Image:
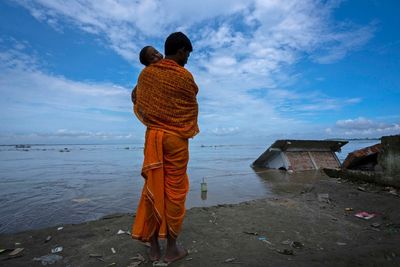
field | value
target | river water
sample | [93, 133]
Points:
[48, 185]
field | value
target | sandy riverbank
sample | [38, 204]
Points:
[254, 233]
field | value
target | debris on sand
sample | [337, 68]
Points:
[48, 259]
[365, 215]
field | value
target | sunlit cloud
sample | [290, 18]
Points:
[244, 60]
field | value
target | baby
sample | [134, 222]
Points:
[148, 55]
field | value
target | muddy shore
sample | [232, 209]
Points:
[313, 224]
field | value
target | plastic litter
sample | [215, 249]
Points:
[285, 251]
[95, 256]
[57, 249]
[250, 233]
[47, 239]
[48, 259]
[203, 186]
[121, 232]
[264, 239]
[60, 228]
[138, 257]
[113, 250]
[160, 264]
[348, 209]
[232, 260]
[365, 215]
[297, 244]
[360, 188]
[324, 198]
[15, 252]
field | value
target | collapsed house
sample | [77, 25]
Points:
[379, 163]
[365, 159]
[300, 155]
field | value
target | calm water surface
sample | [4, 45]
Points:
[43, 186]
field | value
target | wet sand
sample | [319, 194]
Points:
[254, 233]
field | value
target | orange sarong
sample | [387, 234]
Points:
[162, 204]
[166, 103]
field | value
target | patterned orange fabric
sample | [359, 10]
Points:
[162, 204]
[166, 99]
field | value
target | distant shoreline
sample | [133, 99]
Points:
[203, 145]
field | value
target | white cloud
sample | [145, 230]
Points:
[36, 101]
[238, 46]
[364, 127]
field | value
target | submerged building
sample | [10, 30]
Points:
[300, 155]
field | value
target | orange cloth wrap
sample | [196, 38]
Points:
[166, 98]
[162, 204]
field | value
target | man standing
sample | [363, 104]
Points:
[166, 104]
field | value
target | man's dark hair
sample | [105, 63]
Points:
[176, 41]
[142, 56]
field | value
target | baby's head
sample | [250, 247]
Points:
[149, 55]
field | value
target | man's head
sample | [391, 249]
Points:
[178, 47]
[149, 55]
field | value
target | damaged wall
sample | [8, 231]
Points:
[389, 159]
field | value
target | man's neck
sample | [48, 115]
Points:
[173, 58]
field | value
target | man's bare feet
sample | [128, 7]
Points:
[175, 253]
[155, 250]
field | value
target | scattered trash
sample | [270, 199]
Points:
[47, 239]
[48, 259]
[287, 242]
[2, 250]
[285, 251]
[57, 249]
[15, 252]
[297, 244]
[134, 264]
[341, 243]
[232, 261]
[264, 239]
[360, 188]
[121, 232]
[365, 215]
[203, 186]
[17, 244]
[95, 256]
[324, 198]
[138, 257]
[348, 209]
[250, 233]
[60, 228]
[214, 218]
[376, 225]
[160, 264]
[392, 191]
[113, 250]
[189, 259]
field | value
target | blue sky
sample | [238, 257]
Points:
[266, 69]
